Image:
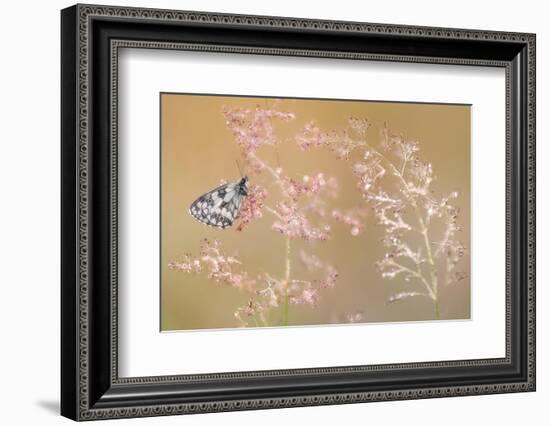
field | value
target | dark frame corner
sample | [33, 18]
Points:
[90, 37]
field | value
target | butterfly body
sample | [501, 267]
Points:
[220, 207]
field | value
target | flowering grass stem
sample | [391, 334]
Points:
[287, 280]
[423, 229]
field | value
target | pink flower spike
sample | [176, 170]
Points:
[251, 208]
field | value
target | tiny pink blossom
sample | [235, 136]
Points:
[353, 217]
[308, 296]
[252, 129]
[313, 263]
[220, 267]
[293, 223]
[329, 280]
[251, 208]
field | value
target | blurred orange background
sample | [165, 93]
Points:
[197, 151]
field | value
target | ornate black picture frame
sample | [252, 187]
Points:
[90, 38]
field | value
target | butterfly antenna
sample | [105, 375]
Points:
[239, 168]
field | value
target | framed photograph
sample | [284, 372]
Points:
[263, 212]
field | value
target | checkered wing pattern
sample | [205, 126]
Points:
[220, 207]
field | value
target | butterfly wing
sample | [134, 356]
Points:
[219, 207]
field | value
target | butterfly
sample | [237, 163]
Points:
[220, 207]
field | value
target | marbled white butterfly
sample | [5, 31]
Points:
[220, 207]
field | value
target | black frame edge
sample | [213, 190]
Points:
[69, 319]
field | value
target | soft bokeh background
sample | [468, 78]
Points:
[197, 151]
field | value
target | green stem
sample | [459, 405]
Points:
[433, 274]
[418, 275]
[286, 281]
